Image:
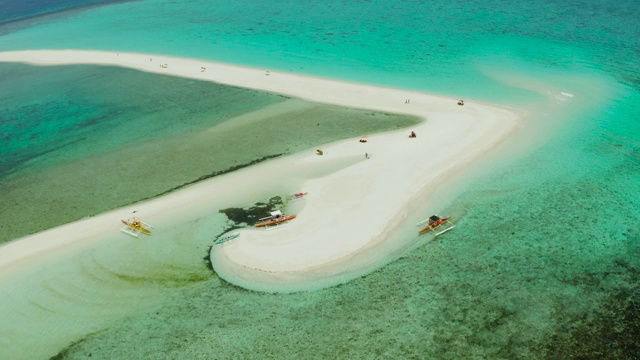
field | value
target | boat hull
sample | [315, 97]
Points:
[297, 196]
[275, 222]
[137, 227]
[435, 225]
[225, 239]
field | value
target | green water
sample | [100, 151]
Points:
[526, 279]
[55, 114]
[108, 137]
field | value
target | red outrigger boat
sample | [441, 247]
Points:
[277, 218]
[297, 196]
[437, 224]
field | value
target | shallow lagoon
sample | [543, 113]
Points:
[108, 137]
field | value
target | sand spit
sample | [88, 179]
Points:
[344, 224]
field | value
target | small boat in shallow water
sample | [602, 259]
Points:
[277, 218]
[437, 224]
[135, 227]
[297, 196]
[226, 238]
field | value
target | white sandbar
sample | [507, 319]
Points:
[342, 226]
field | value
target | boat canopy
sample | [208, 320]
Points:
[276, 213]
[434, 218]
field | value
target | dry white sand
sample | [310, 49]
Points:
[354, 204]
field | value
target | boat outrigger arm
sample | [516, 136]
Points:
[437, 224]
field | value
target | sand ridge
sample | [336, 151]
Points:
[349, 212]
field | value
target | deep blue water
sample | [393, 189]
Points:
[13, 10]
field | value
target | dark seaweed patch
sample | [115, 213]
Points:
[252, 214]
[613, 332]
[64, 353]
[242, 217]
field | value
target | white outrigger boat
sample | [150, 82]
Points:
[277, 219]
[134, 227]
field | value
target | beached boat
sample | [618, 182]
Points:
[226, 238]
[134, 227]
[277, 218]
[297, 196]
[437, 224]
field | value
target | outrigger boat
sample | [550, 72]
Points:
[135, 227]
[437, 224]
[297, 196]
[226, 238]
[277, 218]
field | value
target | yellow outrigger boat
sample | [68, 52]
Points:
[135, 227]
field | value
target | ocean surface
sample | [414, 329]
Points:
[545, 257]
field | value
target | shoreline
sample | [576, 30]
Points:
[307, 255]
[319, 247]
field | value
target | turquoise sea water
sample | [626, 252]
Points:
[545, 258]
[36, 120]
